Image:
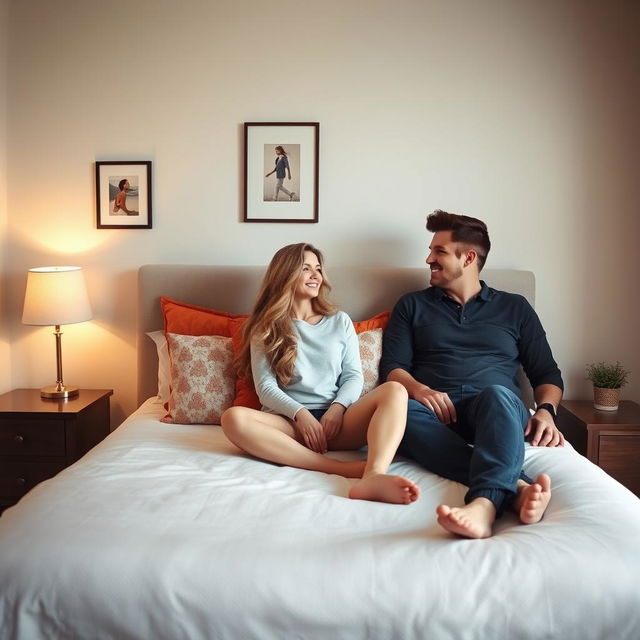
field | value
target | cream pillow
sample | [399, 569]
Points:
[370, 354]
[202, 378]
[163, 364]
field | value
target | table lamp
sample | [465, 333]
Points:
[55, 296]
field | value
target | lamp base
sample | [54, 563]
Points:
[57, 392]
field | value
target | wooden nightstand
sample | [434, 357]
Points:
[611, 439]
[39, 436]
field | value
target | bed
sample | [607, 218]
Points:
[167, 531]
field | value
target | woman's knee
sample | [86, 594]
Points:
[393, 391]
[233, 419]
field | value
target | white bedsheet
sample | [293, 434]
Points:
[166, 531]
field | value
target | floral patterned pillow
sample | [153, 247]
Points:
[370, 354]
[202, 378]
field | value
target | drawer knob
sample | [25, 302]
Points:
[18, 439]
[21, 481]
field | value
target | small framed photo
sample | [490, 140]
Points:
[281, 171]
[123, 194]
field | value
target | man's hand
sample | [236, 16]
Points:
[311, 431]
[438, 402]
[331, 421]
[545, 433]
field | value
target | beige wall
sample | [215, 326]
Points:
[5, 342]
[521, 113]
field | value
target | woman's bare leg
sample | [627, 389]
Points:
[378, 419]
[273, 438]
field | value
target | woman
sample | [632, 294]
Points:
[120, 202]
[282, 166]
[305, 361]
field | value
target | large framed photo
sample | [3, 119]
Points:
[123, 194]
[281, 171]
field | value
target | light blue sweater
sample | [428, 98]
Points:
[327, 369]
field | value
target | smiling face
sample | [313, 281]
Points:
[310, 279]
[446, 260]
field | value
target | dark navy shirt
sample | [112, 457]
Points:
[282, 164]
[460, 350]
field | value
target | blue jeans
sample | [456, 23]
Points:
[493, 421]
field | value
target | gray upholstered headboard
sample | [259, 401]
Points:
[360, 291]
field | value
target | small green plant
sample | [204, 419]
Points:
[607, 376]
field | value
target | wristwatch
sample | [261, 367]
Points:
[550, 408]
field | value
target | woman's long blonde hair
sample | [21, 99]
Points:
[271, 322]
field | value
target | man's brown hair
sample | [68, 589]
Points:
[464, 229]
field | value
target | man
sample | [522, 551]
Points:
[457, 347]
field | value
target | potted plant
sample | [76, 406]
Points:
[607, 381]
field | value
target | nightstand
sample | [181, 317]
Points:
[39, 437]
[610, 439]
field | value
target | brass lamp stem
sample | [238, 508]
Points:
[60, 390]
[58, 334]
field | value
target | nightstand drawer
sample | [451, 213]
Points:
[619, 456]
[16, 478]
[32, 437]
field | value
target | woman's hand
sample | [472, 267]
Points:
[331, 421]
[311, 431]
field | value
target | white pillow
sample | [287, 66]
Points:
[163, 364]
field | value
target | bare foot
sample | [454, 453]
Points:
[474, 520]
[382, 487]
[532, 499]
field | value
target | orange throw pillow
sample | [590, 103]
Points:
[379, 321]
[246, 395]
[191, 320]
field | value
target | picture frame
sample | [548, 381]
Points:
[123, 194]
[281, 169]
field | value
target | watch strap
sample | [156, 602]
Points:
[549, 407]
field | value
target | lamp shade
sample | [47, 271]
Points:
[56, 295]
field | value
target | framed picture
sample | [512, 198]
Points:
[281, 171]
[123, 194]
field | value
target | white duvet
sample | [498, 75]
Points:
[168, 532]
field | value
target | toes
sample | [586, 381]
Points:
[544, 481]
[443, 510]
